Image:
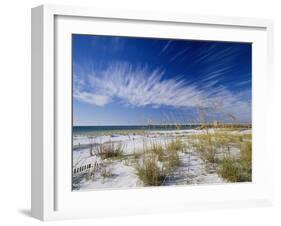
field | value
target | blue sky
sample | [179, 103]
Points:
[136, 81]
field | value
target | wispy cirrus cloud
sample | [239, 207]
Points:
[180, 53]
[91, 98]
[165, 47]
[243, 82]
[142, 87]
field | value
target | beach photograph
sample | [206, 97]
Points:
[150, 112]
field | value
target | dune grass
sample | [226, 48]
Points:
[208, 144]
[172, 154]
[149, 171]
[230, 167]
[157, 149]
[156, 160]
[175, 145]
[204, 145]
[159, 160]
[110, 150]
[237, 170]
[106, 172]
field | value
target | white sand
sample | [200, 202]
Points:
[192, 170]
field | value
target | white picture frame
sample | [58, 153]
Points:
[51, 192]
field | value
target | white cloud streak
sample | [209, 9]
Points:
[179, 54]
[168, 44]
[141, 87]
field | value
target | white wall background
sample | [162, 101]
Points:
[15, 111]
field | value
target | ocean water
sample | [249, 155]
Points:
[112, 129]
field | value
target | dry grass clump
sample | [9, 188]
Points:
[158, 162]
[226, 139]
[90, 174]
[208, 144]
[246, 160]
[149, 171]
[106, 172]
[205, 146]
[157, 149]
[172, 159]
[231, 168]
[171, 162]
[247, 136]
[175, 145]
[110, 150]
[237, 170]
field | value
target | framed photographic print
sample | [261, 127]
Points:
[141, 113]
